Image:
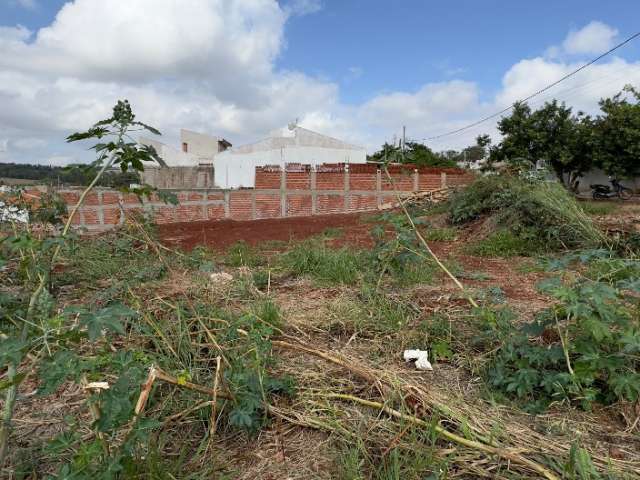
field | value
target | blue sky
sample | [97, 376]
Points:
[401, 45]
[355, 69]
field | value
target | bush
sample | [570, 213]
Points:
[538, 212]
[583, 349]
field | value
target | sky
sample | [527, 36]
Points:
[355, 69]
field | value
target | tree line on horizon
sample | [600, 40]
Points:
[68, 175]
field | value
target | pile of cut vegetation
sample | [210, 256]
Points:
[524, 216]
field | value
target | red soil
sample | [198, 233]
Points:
[220, 234]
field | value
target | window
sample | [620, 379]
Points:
[185, 147]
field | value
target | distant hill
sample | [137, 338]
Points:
[70, 175]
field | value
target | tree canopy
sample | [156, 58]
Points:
[421, 155]
[571, 144]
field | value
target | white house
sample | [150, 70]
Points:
[196, 149]
[236, 167]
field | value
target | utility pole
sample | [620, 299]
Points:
[404, 138]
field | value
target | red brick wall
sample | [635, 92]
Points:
[330, 180]
[298, 180]
[330, 204]
[429, 181]
[362, 202]
[363, 181]
[267, 178]
[267, 205]
[299, 205]
[106, 208]
[240, 205]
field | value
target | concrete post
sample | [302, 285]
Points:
[379, 187]
[253, 205]
[443, 179]
[346, 188]
[416, 180]
[283, 191]
[227, 207]
[314, 199]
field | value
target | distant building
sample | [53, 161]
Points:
[235, 168]
[190, 166]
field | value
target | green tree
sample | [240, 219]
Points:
[417, 154]
[615, 134]
[551, 134]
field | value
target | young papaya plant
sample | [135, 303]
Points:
[28, 322]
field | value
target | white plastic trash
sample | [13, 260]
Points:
[421, 357]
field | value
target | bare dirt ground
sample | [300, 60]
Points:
[316, 315]
[223, 233]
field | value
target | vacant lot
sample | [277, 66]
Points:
[280, 346]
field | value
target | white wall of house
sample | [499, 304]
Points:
[235, 168]
[201, 149]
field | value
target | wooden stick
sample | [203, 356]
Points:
[424, 242]
[216, 383]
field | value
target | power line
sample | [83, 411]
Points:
[542, 90]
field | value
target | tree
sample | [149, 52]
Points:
[23, 335]
[615, 135]
[550, 134]
[416, 154]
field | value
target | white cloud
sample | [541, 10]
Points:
[593, 39]
[209, 65]
[303, 7]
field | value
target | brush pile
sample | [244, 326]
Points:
[542, 213]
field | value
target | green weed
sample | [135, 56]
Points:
[325, 265]
[505, 243]
[440, 234]
[598, 208]
[241, 254]
[586, 347]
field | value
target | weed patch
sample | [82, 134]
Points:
[325, 265]
[585, 346]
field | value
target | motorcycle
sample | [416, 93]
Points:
[601, 192]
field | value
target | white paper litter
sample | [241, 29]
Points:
[421, 357]
[9, 213]
[222, 277]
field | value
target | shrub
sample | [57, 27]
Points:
[582, 349]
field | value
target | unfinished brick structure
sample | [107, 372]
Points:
[299, 190]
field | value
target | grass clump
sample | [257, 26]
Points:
[241, 254]
[440, 234]
[598, 208]
[543, 215]
[324, 264]
[505, 243]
